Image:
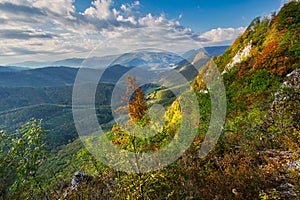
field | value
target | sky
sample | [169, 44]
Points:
[44, 30]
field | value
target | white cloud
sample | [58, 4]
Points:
[123, 7]
[44, 30]
[132, 20]
[60, 7]
[128, 8]
[100, 9]
[221, 35]
[64, 8]
[136, 3]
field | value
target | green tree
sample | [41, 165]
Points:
[21, 156]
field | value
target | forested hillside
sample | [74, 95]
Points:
[257, 155]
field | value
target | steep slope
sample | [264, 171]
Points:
[257, 155]
[261, 75]
[271, 43]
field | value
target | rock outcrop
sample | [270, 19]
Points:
[239, 57]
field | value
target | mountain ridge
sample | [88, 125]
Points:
[256, 156]
[105, 61]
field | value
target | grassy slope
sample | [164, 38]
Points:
[238, 167]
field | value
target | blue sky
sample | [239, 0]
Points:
[43, 30]
[203, 15]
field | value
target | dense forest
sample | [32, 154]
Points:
[256, 157]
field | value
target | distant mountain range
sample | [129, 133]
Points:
[70, 62]
[155, 60]
[42, 77]
[11, 69]
[63, 72]
[158, 61]
[210, 51]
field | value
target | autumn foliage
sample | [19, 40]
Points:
[136, 106]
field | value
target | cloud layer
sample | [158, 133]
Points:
[43, 30]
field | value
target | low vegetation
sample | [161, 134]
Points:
[256, 157]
